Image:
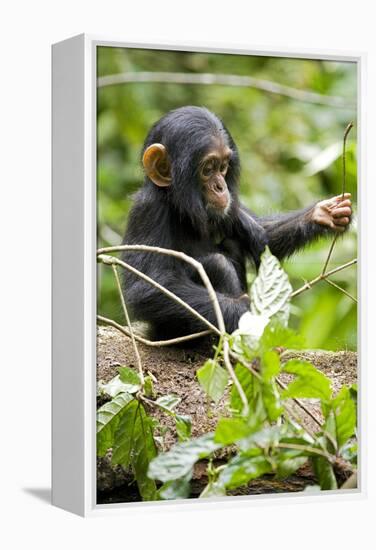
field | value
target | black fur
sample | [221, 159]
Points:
[177, 217]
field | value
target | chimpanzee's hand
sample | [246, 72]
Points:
[335, 213]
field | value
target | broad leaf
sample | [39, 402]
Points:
[125, 435]
[134, 446]
[168, 402]
[180, 459]
[213, 379]
[309, 382]
[271, 290]
[345, 416]
[230, 430]
[246, 380]
[246, 338]
[178, 488]
[242, 468]
[115, 386]
[183, 426]
[108, 417]
[213, 489]
[130, 378]
[143, 452]
[270, 365]
[287, 465]
[276, 335]
[324, 473]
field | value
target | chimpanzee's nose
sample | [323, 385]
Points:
[219, 186]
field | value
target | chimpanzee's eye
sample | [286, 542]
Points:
[224, 167]
[208, 168]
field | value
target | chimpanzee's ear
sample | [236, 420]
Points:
[157, 165]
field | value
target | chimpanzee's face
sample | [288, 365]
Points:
[212, 173]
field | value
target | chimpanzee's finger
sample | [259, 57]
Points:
[341, 221]
[341, 212]
[341, 197]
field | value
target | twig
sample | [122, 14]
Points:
[181, 256]
[152, 343]
[341, 289]
[225, 80]
[306, 448]
[297, 419]
[300, 404]
[329, 254]
[110, 260]
[321, 277]
[347, 131]
[137, 354]
[246, 365]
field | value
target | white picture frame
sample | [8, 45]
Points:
[74, 273]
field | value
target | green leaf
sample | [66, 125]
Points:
[329, 431]
[241, 469]
[168, 402]
[271, 289]
[309, 382]
[230, 430]
[125, 435]
[349, 452]
[108, 417]
[246, 380]
[130, 378]
[213, 489]
[178, 488]
[324, 473]
[276, 335]
[183, 426]
[149, 387]
[144, 450]
[263, 438]
[245, 340]
[179, 460]
[115, 386]
[271, 400]
[134, 446]
[288, 465]
[213, 379]
[345, 416]
[270, 365]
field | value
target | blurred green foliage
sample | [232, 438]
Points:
[290, 151]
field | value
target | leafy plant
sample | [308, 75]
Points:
[266, 439]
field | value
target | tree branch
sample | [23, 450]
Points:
[226, 80]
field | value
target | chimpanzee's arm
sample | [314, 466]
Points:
[286, 233]
[170, 319]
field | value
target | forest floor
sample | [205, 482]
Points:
[174, 370]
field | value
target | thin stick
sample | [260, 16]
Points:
[347, 131]
[301, 405]
[321, 277]
[181, 256]
[329, 254]
[297, 419]
[152, 343]
[226, 80]
[110, 260]
[306, 448]
[211, 292]
[137, 354]
[342, 290]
